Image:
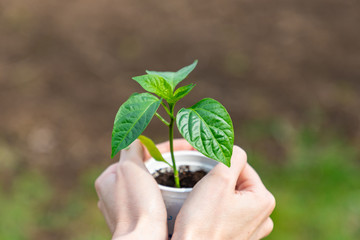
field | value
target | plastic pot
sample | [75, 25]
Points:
[175, 197]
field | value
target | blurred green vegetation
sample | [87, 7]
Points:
[316, 185]
[317, 189]
[30, 209]
[66, 67]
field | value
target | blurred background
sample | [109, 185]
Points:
[287, 71]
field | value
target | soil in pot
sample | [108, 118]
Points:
[188, 178]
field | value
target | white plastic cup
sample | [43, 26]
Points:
[173, 197]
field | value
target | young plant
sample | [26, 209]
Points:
[206, 125]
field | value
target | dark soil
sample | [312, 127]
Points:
[188, 179]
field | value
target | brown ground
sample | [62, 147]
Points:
[66, 66]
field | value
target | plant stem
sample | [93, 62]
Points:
[162, 119]
[171, 140]
[171, 114]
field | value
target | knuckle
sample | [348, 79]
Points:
[271, 201]
[226, 179]
[266, 201]
[221, 179]
[97, 185]
[124, 165]
[269, 227]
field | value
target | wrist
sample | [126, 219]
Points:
[141, 231]
[189, 233]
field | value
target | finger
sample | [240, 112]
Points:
[179, 145]
[238, 162]
[109, 169]
[265, 228]
[105, 185]
[98, 182]
[132, 157]
[249, 180]
[103, 211]
[134, 153]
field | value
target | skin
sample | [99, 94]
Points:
[234, 202]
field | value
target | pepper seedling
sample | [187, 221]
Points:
[206, 125]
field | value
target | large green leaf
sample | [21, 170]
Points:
[155, 84]
[131, 120]
[174, 78]
[207, 126]
[153, 150]
[181, 92]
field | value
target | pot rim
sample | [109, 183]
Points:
[179, 153]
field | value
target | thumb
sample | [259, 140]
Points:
[238, 163]
[135, 153]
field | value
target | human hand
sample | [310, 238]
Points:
[228, 203]
[129, 197]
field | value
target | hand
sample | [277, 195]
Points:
[129, 197]
[228, 203]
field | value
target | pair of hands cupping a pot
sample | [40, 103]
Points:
[228, 203]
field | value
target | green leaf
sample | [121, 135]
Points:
[153, 150]
[181, 92]
[155, 84]
[174, 78]
[207, 126]
[132, 119]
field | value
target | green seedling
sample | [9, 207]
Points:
[206, 125]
